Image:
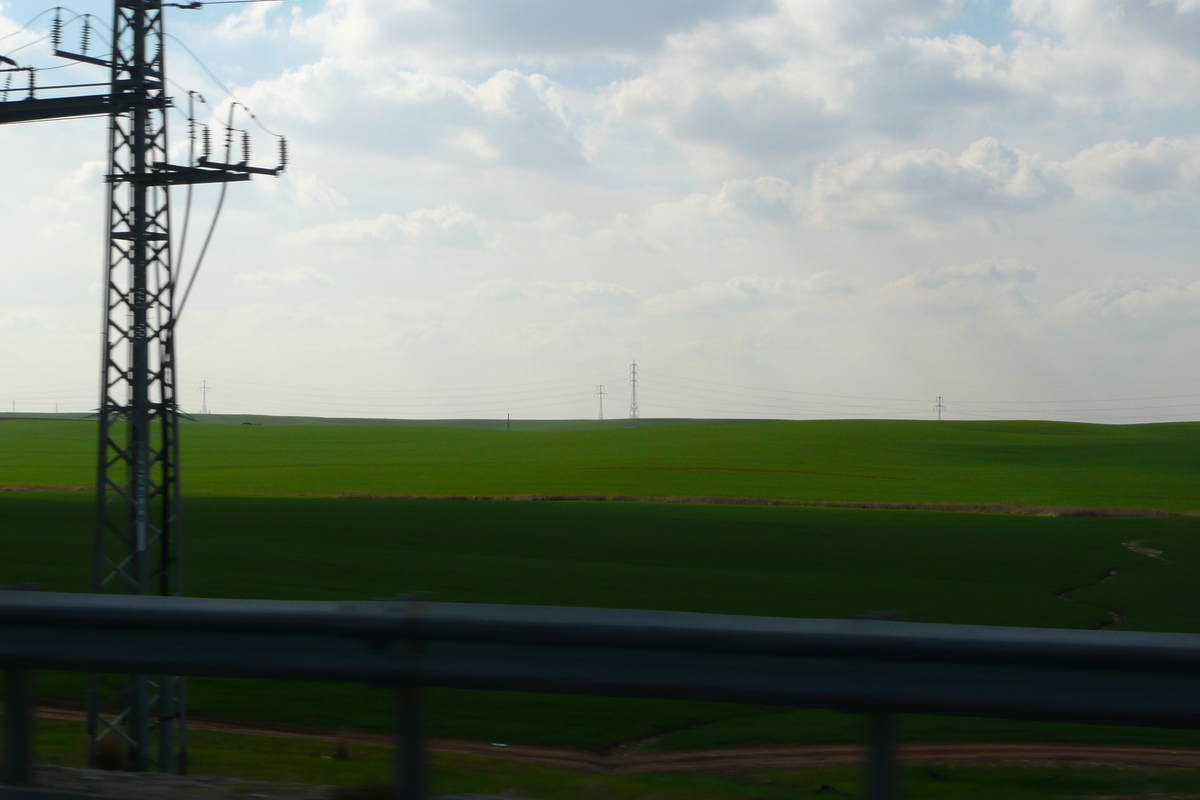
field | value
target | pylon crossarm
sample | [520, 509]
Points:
[34, 110]
[100, 62]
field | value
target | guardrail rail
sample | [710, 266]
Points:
[874, 667]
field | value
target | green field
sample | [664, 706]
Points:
[815, 562]
[264, 519]
[1017, 463]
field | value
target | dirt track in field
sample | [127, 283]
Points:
[741, 758]
[967, 508]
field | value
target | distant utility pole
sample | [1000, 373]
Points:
[508, 422]
[940, 406]
[633, 404]
[204, 390]
[601, 394]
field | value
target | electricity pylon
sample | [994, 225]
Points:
[600, 393]
[634, 413]
[137, 489]
[939, 407]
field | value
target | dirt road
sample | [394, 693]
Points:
[744, 758]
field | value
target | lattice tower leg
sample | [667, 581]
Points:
[137, 498]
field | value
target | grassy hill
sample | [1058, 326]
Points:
[888, 461]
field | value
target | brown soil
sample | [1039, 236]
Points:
[1136, 547]
[13, 487]
[978, 508]
[743, 758]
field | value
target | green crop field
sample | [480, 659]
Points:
[1016, 463]
[775, 560]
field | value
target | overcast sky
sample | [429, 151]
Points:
[798, 208]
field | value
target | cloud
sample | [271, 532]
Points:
[287, 277]
[509, 118]
[987, 176]
[766, 197]
[978, 272]
[583, 294]
[1149, 306]
[310, 191]
[752, 291]
[245, 23]
[461, 30]
[445, 226]
[1163, 171]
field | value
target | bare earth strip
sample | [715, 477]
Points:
[975, 508]
[745, 758]
[20, 487]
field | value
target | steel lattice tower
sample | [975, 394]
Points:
[137, 534]
[137, 486]
[634, 413]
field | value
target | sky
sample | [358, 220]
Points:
[788, 208]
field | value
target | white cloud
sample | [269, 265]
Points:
[588, 294]
[752, 291]
[986, 176]
[509, 118]
[1161, 172]
[1152, 307]
[471, 32]
[979, 272]
[445, 226]
[286, 277]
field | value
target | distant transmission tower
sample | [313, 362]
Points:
[204, 390]
[600, 393]
[137, 493]
[940, 406]
[633, 404]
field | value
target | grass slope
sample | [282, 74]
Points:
[976, 568]
[1023, 463]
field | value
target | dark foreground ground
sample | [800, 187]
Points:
[1080, 572]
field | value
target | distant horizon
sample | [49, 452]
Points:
[493, 422]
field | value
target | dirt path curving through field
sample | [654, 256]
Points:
[739, 759]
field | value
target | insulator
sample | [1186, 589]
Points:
[32, 82]
[7, 84]
[245, 147]
[283, 154]
[228, 141]
[56, 29]
[207, 143]
[87, 34]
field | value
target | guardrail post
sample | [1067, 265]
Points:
[881, 757]
[18, 727]
[411, 759]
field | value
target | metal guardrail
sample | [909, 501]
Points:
[878, 668]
